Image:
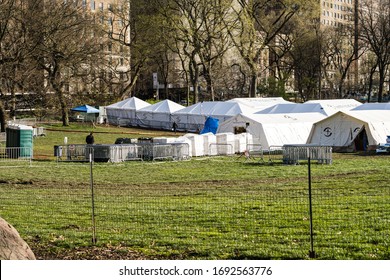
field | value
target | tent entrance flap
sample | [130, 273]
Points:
[361, 140]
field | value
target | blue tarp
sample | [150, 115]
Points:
[211, 125]
[85, 109]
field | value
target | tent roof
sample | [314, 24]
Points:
[260, 102]
[216, 108]
[336, 104]
[373, 106]
[163, 106]
[372, 117]
[200, 108]
[230, 108]
[327, 107]
[294, 109]
[85, 109]
[311, 117]
[129, 103]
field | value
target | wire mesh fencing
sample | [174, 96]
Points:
[206, 221]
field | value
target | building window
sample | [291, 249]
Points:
[93, 5]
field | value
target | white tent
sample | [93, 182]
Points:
[332, 106]
[273, 129]
[327, 107]
[159, 115]
[260, 103]
[192, 118]
[295, 109]
[373, 106]
[125, 112]
[354, 129]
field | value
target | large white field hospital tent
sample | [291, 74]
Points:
[192, 118]
[273, 129]
[124, 113]
[352, 130]
[159, 115]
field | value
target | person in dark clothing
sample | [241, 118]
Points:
[90, 139]
[174, 126]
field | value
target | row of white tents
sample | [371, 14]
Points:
[341, 123]
[162, 115]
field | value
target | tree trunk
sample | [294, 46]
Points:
[64, 109]
[2, 117]
[381, 83]
[253, 86]
[210, 88]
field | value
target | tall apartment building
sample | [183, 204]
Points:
[346, 12]
[118, 55]
[335, 12]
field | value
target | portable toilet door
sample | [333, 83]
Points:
[20, 141]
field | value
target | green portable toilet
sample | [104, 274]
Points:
[19, 136]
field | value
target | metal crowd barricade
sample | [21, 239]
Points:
[11, 155]
[3, 137]
[216, 149]
[254, 150]
[123, 152]
[161, 152]
[293, 154]
[39, 131]
[181, 151]
[275, 154]
[172, 151]
[73, 152]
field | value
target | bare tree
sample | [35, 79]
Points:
[198, 36]
[340, 53]
[69, 47]
[15, 49]
[375, 31]
[255, 25]
[5, 22]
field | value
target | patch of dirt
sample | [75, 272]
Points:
[50, 252]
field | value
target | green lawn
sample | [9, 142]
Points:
[205, 208]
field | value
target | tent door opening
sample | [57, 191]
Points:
[360, 141]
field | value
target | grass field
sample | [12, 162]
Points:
[205, 208]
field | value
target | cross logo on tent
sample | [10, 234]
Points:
[328, 132]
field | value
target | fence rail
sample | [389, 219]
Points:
[123, 152]
[15, 155]
[293, 154]
[216, 149]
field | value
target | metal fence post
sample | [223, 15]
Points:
[312, 253]
[93, 201]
